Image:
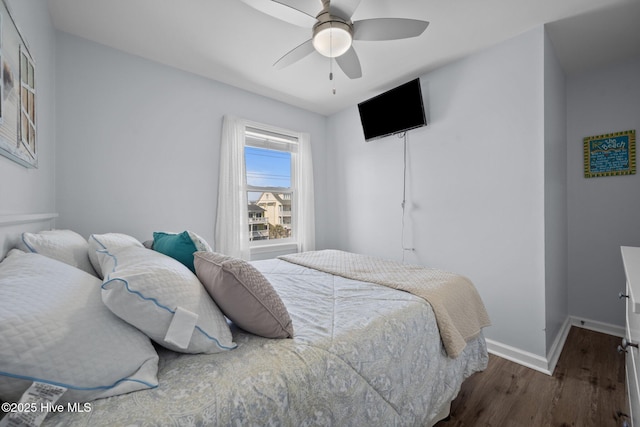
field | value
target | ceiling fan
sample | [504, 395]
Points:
[333, 31]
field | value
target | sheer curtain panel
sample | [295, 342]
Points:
[305, 207]
[232, 222]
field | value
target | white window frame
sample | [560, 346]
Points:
[272, 138]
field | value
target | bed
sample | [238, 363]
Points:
[361, 354]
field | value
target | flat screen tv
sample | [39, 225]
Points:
[395, 111]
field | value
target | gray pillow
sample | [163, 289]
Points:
[244, 295]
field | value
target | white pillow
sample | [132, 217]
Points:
[108, 241]
[55, 329]
[64, 245]
[164, 299]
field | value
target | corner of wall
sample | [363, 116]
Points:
[546, 365]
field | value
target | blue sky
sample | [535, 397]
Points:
[268, 168]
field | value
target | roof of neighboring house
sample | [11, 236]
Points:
[254, 208]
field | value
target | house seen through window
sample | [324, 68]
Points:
[269, 163]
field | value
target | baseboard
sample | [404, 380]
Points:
[518, 356]
[593, 325]
[547, 364]
[558, 344]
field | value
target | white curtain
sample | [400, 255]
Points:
[232, 220]
[303, 197]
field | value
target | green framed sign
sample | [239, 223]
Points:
[610, 154]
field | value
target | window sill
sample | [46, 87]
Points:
[272, 251]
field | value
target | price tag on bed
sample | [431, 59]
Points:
[33, 407]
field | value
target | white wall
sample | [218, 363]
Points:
[555, 195]
[476, 201]
[25, 190]
[603, 212]
[138, 142]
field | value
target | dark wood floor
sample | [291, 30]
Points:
[586, 389]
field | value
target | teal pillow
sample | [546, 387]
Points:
[177, 246]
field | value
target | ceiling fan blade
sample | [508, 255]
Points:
[309, 7]
[343, 8]
[388, 28]
[350, 64]
[295, 55]
[283, 12]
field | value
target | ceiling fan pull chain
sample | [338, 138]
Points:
[331, 75]
[331, 59]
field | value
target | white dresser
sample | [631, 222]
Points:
[631, 260]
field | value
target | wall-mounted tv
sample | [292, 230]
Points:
[397, 110]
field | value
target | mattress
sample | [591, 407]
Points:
[362, 354]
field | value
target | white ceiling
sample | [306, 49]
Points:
[228, 41]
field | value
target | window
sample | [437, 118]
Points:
[274, 207]
[268, 160]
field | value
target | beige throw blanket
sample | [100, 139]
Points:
[459, 311]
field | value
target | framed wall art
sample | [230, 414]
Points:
[18, 139]
[610, 154]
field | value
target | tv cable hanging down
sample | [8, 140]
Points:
[403, 135]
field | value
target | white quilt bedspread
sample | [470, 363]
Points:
[362, 355]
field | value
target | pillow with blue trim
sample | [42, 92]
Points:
[108, 241]
[180, 246]
[55, 329]
[161, 297]
[64, 245]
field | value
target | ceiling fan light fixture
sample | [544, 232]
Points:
[332, 38]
